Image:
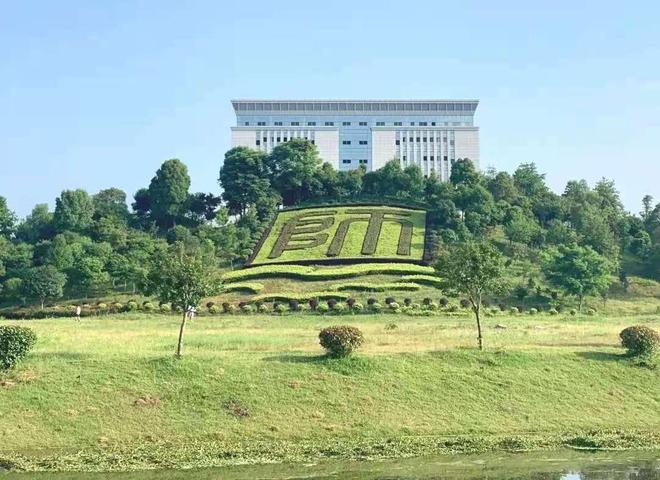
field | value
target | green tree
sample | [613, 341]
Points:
[293, 169]
[529, 181]
[473, 269]
[111, 204]
[38, 225]
[520, 227]
[43, 283]
[168, 193]
[74, 210]
[7, 219]
[244, 179]
[182, 276]
[464, 173]
[576, 270]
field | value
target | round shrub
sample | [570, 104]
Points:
[209, 305]
[242, 304]
[393, 306]
[313, 303]
[340, 341]
[231, 309]
[427, 301]
[415, 306]
[214, 309]
[331, 303]
[591, 311]
[443, 302]
[573, 312]
[322, 308]
[165, 308]
[102, 306]
[358, 307]
[294, 306]
[502, 306]
[553, 311]
[148, 306]
[247, 308]
[533, 311]
[640, 340]
[432, 306]
[350, 302]
[262, 308]
[225, 307]
[339, 307]
[15, 344]
[376, 307]
[514, 311]
[132, 305]
[465, 303]
[371, 301]
[389, 300]
[279, 308]
[119, 307]
[452, 308]
[407, 301]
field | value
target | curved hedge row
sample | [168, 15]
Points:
[382, 287]
[429, 280]
[298, 296]
[305, 272]
[248, 287]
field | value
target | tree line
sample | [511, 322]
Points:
[92, 244]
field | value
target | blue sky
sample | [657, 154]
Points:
[99, 94]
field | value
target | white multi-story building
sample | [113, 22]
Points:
[348, 133]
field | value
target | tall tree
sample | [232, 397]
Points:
[43, 283]
[38, 225]
[111, 204]
[578, 271]
[244, 179]
[168, 193]
[74, 210]
[464, 173]
[293, 168]
[473, 269]
[7, 219]
[184, 275]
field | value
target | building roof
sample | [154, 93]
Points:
[408, 107]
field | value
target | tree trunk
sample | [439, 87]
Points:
[580, 298]
[42, 303]
[179, 346]
[480, 338]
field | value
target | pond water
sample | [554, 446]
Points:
[565, 465]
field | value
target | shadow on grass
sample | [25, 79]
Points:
[292, 358]
[69, 356]
[603, 356]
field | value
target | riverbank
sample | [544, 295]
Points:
[107, 394]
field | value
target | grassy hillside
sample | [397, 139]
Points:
[107, 393]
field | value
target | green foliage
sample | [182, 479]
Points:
[292, 168]
[429, 280]
[383, 287]
[341, 341]
[168, 193]
[214, 309]
[43, 283]
[299, 296]
[15, 344]
[7, 219]
[165, 307]
[640, 340]
[249, 287]
[74, 211]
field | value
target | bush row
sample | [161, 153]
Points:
[382, 287]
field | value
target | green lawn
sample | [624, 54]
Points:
[302, 246]
[107, 393]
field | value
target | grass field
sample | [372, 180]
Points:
[386, 240]
[107, 394]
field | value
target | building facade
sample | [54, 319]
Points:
[432, 134]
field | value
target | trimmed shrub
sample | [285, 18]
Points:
[357, 307]
[452, 308]
[294, 306]
[102, 306]
[573, 312]
[443, 302]
[553, 311]
[117, 306]
[247, 308]
[209, 304]
[407, 301]
[340, 341]
[502, 307]
[242, 304]
[279, 308]
[426, 301]
[393, 306]
[465, 303]
[415, 306]
[389, 300]
[591, 311]
[640, 340]
[514, 311]
[331, 303]
[165, 308]
[322, 308]
[232, 309]
[376, 307]
[533, 311]
[371, 301]
[225, 307]
[432, 306]
[313, 303]
[132, 305]
[214, 309]
[15, 344]
[350, 302]
[263, 308]
[338, 308]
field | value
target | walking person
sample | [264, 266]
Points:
[78, 312]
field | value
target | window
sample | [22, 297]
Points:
[363, 124]
[431, 139]
[444, 139]
[329, 124]
[272, 139]
[346, 142]
[345, 161]
[285, 139]
[451, 142]
[346, 124]
[313, 142]
[363, 142]
[424, 139]
[433, 124]
[265, 139]
[422, 124]
[426, 159]
[279, 139]
[417, 139]
[363, 161]
[398, 142]
[278, 124]
[295, 124]
[261, 124]
[432, 158]
[445, 158]
[258, 142]
[404, 158]
[247, 124]
[412, 124]
[398, 124]
[311, 124]
[380, 124]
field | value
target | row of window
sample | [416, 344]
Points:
[362, 124]
[279, 139]
[432, 158]
[348, 161]
[361, 142]
[422, 139]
